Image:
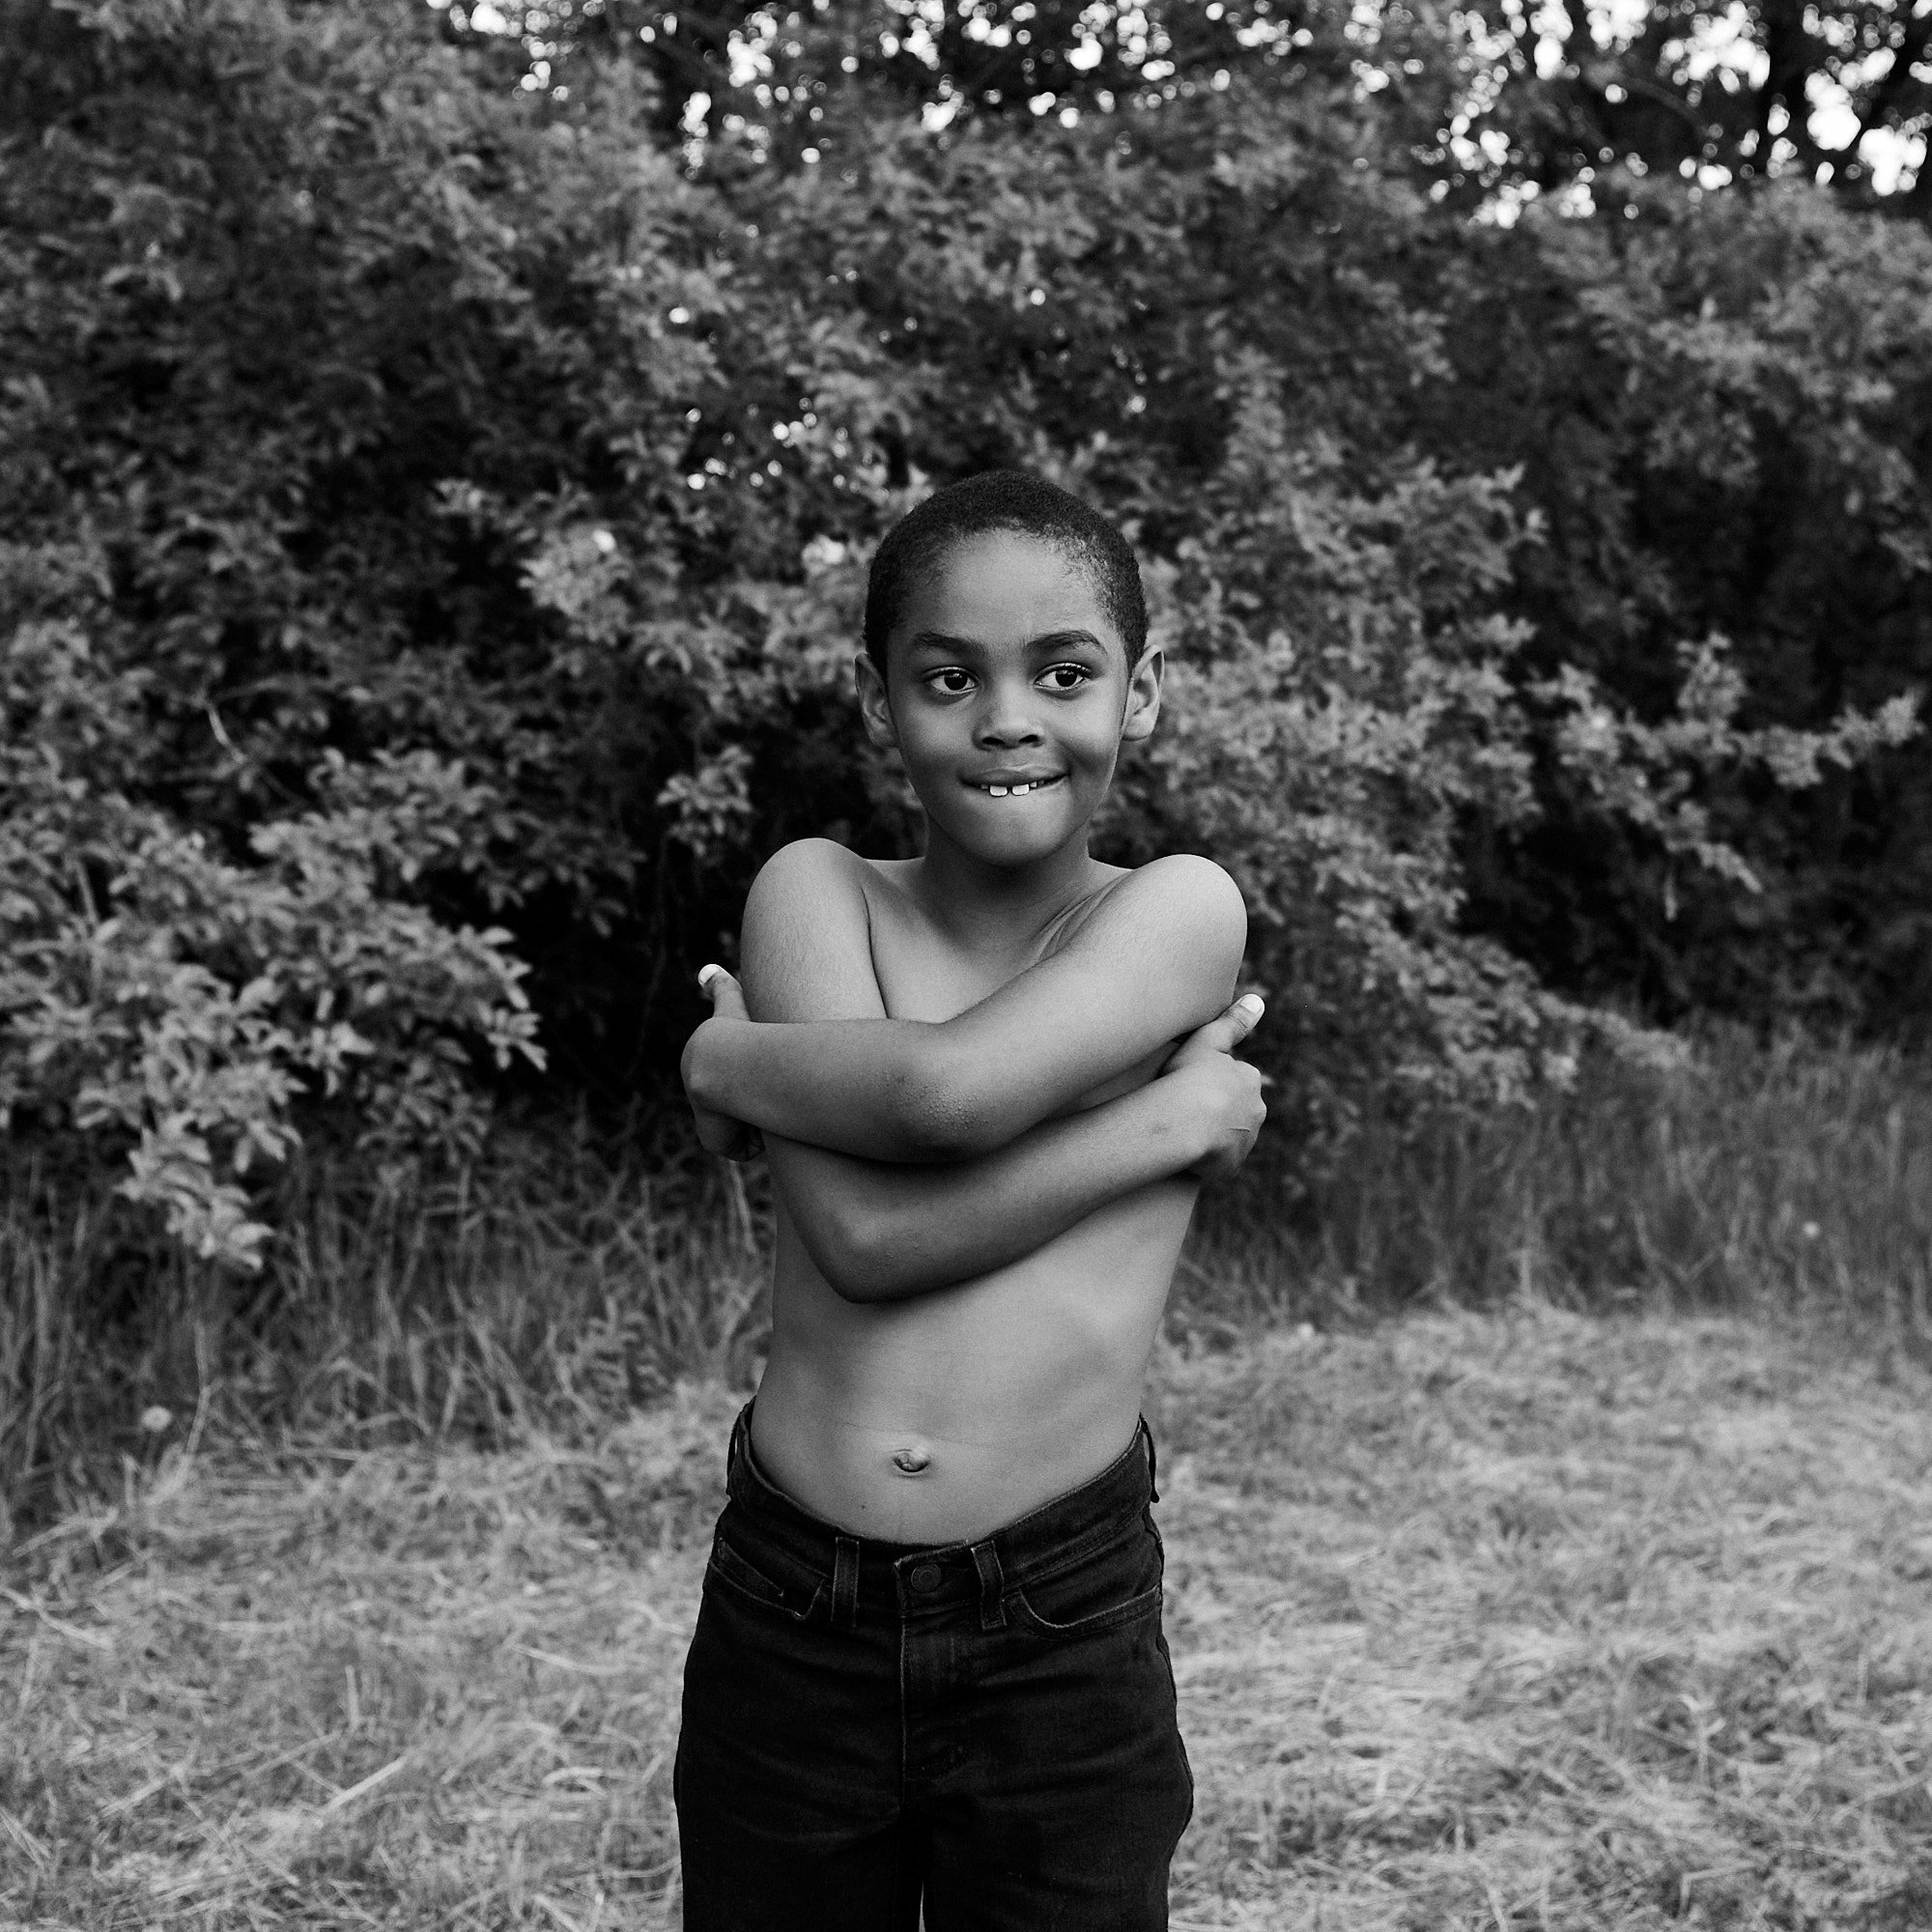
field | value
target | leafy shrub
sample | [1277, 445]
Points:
[184, 1012]
[1349, 698]
[1718, 410]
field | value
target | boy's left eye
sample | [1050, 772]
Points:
[1065, 676]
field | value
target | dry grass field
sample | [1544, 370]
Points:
[1511, 1621]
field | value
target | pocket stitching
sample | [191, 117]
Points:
[780, 1601]
[1134, 1609]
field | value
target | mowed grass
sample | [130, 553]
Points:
[1511, 1621]
[1536, 1621]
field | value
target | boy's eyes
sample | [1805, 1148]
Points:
[1065, 676]
[954, 681]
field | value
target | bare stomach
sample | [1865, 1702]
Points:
[939, 1418]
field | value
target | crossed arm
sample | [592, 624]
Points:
[914, 1155]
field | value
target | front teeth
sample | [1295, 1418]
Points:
[1016, 791]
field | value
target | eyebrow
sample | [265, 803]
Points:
[1047, 641]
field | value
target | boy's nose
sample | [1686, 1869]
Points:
[1005, 723]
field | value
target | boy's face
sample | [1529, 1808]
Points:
[1007, 693]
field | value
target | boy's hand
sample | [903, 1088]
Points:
[1223, 1034]
[720, 1133]
[1227, 1091]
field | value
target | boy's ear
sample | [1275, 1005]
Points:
[873, 704]
[1144, 698]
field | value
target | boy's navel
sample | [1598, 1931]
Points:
[911, 1461]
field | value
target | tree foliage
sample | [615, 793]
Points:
[1501, 94]
[1709, 95]
[438, 500]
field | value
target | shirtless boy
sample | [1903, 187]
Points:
[928, 1670]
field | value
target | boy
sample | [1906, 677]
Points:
[928, 1668]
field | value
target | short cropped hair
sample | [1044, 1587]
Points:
[1003, 500]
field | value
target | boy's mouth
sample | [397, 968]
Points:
[1019, 789]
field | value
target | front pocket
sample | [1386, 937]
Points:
[1146, 1605]
[743, 1578]
[1116, 1585]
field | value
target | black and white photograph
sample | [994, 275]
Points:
[965, 966]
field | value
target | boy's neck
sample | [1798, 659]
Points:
[970, 898]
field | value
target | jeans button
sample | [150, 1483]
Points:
[926, 1576]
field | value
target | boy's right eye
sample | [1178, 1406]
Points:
[949, 679]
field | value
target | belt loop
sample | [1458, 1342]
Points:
[846, 1583]
[1154, 1462]
[992, 1587]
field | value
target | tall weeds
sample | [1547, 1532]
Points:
[554, 1285]
[563, 1280]
[1782, 1178]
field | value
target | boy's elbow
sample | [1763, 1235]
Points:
[699, 1068]
[936, 1134]
[854, 1255]
[859, 1286]
[850, 1267]
[941, 1113]
[875, 1258]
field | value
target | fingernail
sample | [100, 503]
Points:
[1253, 1002]
[707, 973]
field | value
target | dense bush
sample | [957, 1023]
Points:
[167, 1004]
[437, 509]
[1722, 413]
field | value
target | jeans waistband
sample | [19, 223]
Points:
[866, 1572]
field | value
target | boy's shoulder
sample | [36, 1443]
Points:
[806, 945]
[819, 862]
[1182, 888]
[1187, 880]
[819, 879]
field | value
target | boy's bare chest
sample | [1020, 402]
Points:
[921, 977]
[925, 973]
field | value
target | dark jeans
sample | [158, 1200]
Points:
[987, 1727]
